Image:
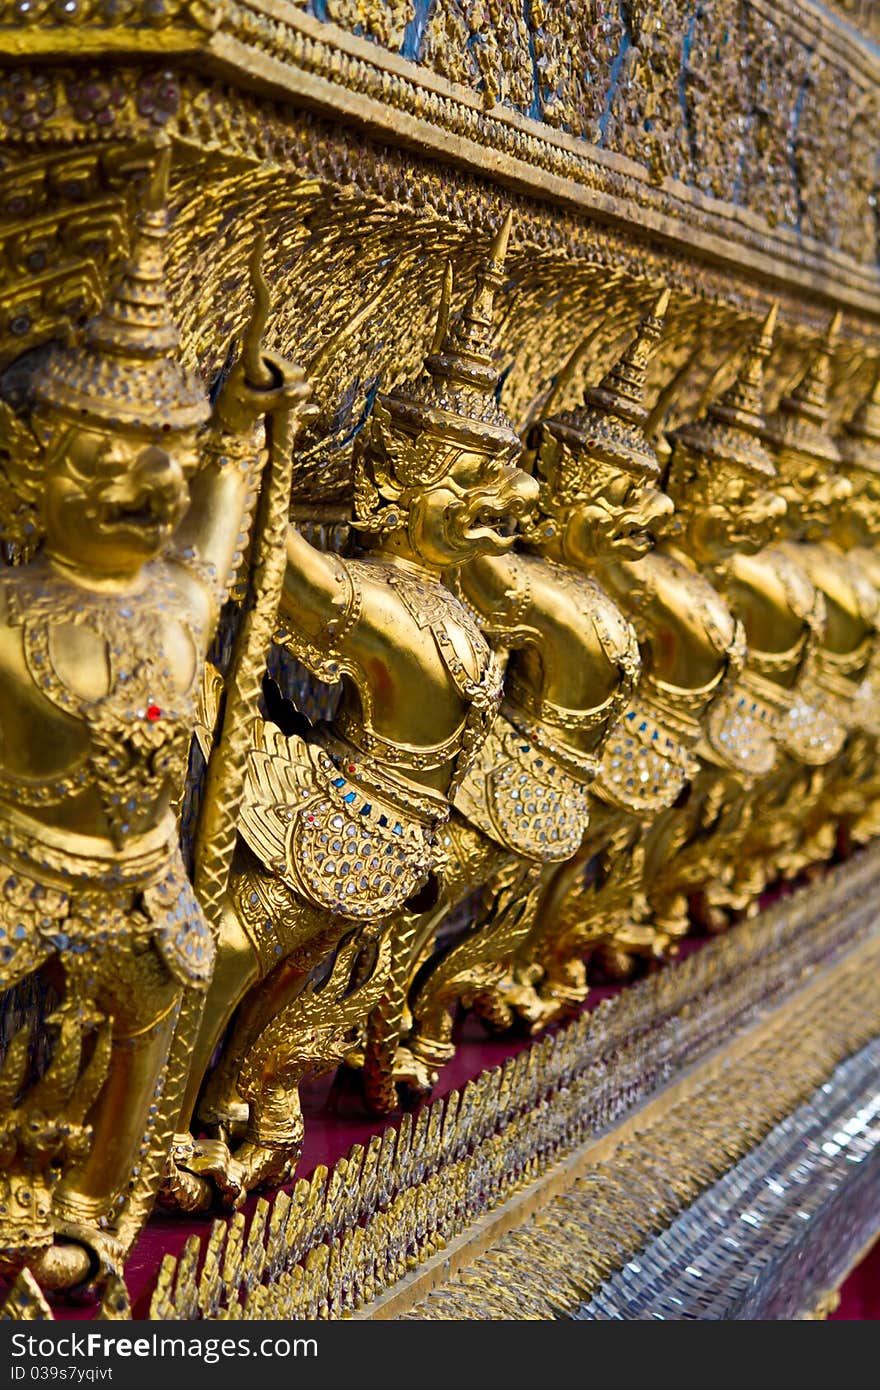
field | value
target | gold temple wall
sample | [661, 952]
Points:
[728, 150]
[757, 180]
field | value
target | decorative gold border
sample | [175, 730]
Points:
[292, 54]
[284, 53]
[612, 1197]
[546, 1174]
[379, 1230]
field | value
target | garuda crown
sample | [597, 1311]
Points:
[120, 372]
[125, 372]
[800, 424]
[608, 427]
[417, 430]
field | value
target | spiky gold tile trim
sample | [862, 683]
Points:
[552, 1265]
[472, 1164]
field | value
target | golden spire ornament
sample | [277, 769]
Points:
[125, 371]
[801, 420]
[731, 430]
[456, 392]
[609, 425]
[417, 430]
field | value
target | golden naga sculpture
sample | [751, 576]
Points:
[103, 635]
[340, 832]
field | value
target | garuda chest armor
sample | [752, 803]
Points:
[341, 816]
[654, 753]
[529, 790]
[78, 895]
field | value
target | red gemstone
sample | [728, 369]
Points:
[153, 713]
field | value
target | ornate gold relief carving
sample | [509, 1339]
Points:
[94, 884]
[542, 747]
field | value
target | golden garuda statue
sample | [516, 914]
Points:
[342, 827]
[364, 714]
[140, 491]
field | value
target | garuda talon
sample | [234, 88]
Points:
[103, 634]
[342, 832]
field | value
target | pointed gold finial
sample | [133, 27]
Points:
[860, 445]
[498, 252]
[732, 429]
[466, 348]
[748, 387]
[456, 393]
[442, 327]
[126, 371]
[662, 304]
[769, 326]
[627, 378]
[801, 421]
[812, 389]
